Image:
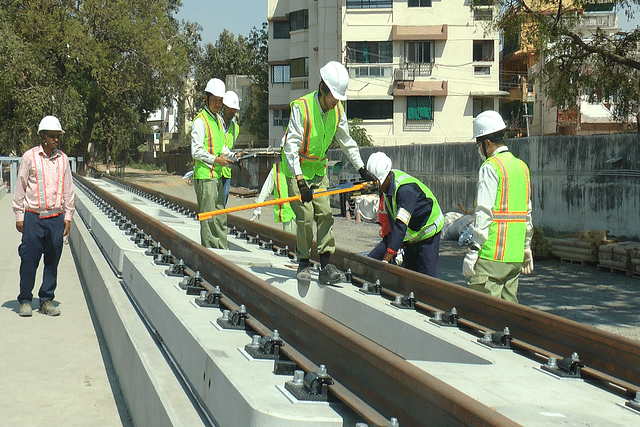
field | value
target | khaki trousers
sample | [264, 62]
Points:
[210, 197]
[318, 210]
[499, 279]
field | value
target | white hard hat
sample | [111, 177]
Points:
[50, 123]
[488, 122]
[231, 100]
[379, 164]
[336, 77]
[215, 87]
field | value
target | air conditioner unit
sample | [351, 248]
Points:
[400, 74]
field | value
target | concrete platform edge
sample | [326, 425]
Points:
[153, 394]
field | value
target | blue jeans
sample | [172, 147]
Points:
[226, 187]
[40, 236]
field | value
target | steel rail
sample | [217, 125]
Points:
[607, 356]
[382, 379]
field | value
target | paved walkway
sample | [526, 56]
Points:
[52, 370]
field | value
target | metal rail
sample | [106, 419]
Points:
[607, 356]
[368, 375]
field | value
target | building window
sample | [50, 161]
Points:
[419, 108]
[481, 104]
[370, 109]
[280, 29]
[482, 14]
[419, 3]
[419, 52]
[481, 71]
[299, 20]
[370, 52]
[300, 67]
[369, 4]
[482, 50]
[281, 117]
[280, 74]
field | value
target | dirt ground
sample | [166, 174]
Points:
[604, 299]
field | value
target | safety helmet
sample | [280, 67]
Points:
[50, 123]
[379, 164]
[215, 87]
[488, 122]
[336, 77]
[231, 100]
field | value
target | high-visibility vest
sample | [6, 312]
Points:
[229, 138]
[316, 136]
[213, 143]
[281, 213]
[44, 210]
[434, 223]
[508, 229]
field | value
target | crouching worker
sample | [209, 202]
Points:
[414, 215]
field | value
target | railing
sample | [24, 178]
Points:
[369, 4]
[375, 71]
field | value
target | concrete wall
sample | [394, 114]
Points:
[578, 182]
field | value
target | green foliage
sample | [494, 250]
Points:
[359, 134]
[242, 56]
[595, 65]
[101, 67]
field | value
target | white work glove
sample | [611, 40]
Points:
[527, 263]
[469, 263]
[256, 214]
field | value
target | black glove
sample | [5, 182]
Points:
[366, 175]
[305, 192]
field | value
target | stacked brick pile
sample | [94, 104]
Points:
[622, 256]
[540, 246]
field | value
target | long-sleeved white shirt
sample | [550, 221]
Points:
[198, 136]
[267, 187]
[294, 137]
[486, 198]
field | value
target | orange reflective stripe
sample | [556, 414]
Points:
[504, 201]
[210, 147]
[307, 126]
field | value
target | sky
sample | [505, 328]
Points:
[237, 16]
[240, 16]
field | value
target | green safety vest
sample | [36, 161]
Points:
[229, 139]
[213, 143]
[434, 222]
[281, 213]
[316, 137]
[508, 230]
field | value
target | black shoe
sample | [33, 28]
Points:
[304, 273]
[330, 275]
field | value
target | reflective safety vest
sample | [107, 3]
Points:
[434, 223]
[229, 138]
[44, 210]
[213, 143]
[508, 230]
[281, 213]
[316, 136]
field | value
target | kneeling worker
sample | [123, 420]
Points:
[415, 217]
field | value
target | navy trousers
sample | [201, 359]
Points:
[423, 258]
[40, 236]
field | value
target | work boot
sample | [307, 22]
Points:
[330, 275]
[49, 309]
[25, 309]
[304, 273]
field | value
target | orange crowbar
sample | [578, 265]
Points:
[344, 188]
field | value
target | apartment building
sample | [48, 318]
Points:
[421, 70]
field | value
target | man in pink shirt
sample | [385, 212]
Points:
[43, 205]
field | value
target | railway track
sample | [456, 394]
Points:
[380, 386]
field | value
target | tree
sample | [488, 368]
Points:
[101, 67]
[359, 134]
[599, 66]
[242, 56]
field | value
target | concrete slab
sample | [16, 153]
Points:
[52, 369]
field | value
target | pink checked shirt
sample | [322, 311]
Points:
[55, 196]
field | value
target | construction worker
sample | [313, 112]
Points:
[43, 206]
[276, 183]
[316, 119]
[414, 215]
[231, 129]
[500, 248]
[207, 150]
